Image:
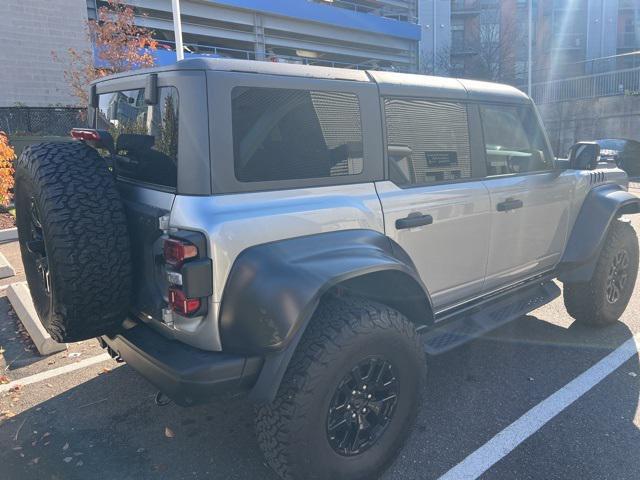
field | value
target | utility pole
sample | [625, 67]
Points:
[530, 47]
[433, 26]
[177, 29]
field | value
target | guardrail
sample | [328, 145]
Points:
[618, 82]
[402, 14]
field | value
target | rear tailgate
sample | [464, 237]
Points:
[144, 208]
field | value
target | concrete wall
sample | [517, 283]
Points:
[605, 117]
[29, 31]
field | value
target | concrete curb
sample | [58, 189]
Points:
[6, 270]
[20, 298]
[8, 234]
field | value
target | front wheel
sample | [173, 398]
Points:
[603, 299]
[349, 397]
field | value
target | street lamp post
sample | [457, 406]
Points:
[177, 29]
[529, 47]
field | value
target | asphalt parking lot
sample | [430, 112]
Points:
[100, 421]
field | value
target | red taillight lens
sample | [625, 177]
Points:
[177, 251]
[86, 134]
[181, 304]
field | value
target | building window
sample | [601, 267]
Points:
[146, 136]
[514, 141]
[92, 10]
[427, 141]
[284, 134]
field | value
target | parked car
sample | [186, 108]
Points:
[625, 153]
[307, 235]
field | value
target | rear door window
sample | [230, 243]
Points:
[289, 134]
[427, 141]
[146, 136]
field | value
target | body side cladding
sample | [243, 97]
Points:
[273, 290]
[602, 205]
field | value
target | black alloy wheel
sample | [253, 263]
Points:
[362, 406]
[617, 276]
[36, 246]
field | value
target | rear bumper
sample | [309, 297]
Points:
[185, 374]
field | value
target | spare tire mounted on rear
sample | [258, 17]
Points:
[73, 239]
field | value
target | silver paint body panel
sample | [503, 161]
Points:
[233, 223]
[451, 253]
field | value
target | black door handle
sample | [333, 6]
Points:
[415, 219]
[509, 204]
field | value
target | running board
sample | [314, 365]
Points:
[469, 325]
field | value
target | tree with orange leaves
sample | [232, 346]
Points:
[7, 156]
[120, 45]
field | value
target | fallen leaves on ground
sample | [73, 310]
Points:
[5, 414]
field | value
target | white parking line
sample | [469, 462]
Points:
[508, 439]
[38, 377]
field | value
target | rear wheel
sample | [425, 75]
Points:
[349, 397]
[603, 299]
[73, 239]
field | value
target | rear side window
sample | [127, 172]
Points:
[514, 140]
[286, 134]
[146, 136]
[427, 141]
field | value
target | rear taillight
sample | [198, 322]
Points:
[177, 251]
[86, 134]
[186, 274]
[182, 305]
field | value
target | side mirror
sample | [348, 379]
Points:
[584, 156]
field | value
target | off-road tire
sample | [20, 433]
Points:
[588, 302]
[83, 240]
[292, 430]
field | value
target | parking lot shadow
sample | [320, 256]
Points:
[479, 389]
[19, 351]
[109, 428]
[112, 429]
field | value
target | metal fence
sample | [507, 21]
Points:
[618, 82]
[42, 121]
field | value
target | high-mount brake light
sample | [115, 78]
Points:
[182, 305]
[177, 251]
[86, 134]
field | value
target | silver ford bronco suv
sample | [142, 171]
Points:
[309, 236]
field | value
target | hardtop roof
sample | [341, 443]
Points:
[389, 83]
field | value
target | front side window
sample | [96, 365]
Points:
[146, 136]
[514, 141]
[427, 141]
[286, 134]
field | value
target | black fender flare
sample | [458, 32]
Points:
[273, 290]
[602, 205]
